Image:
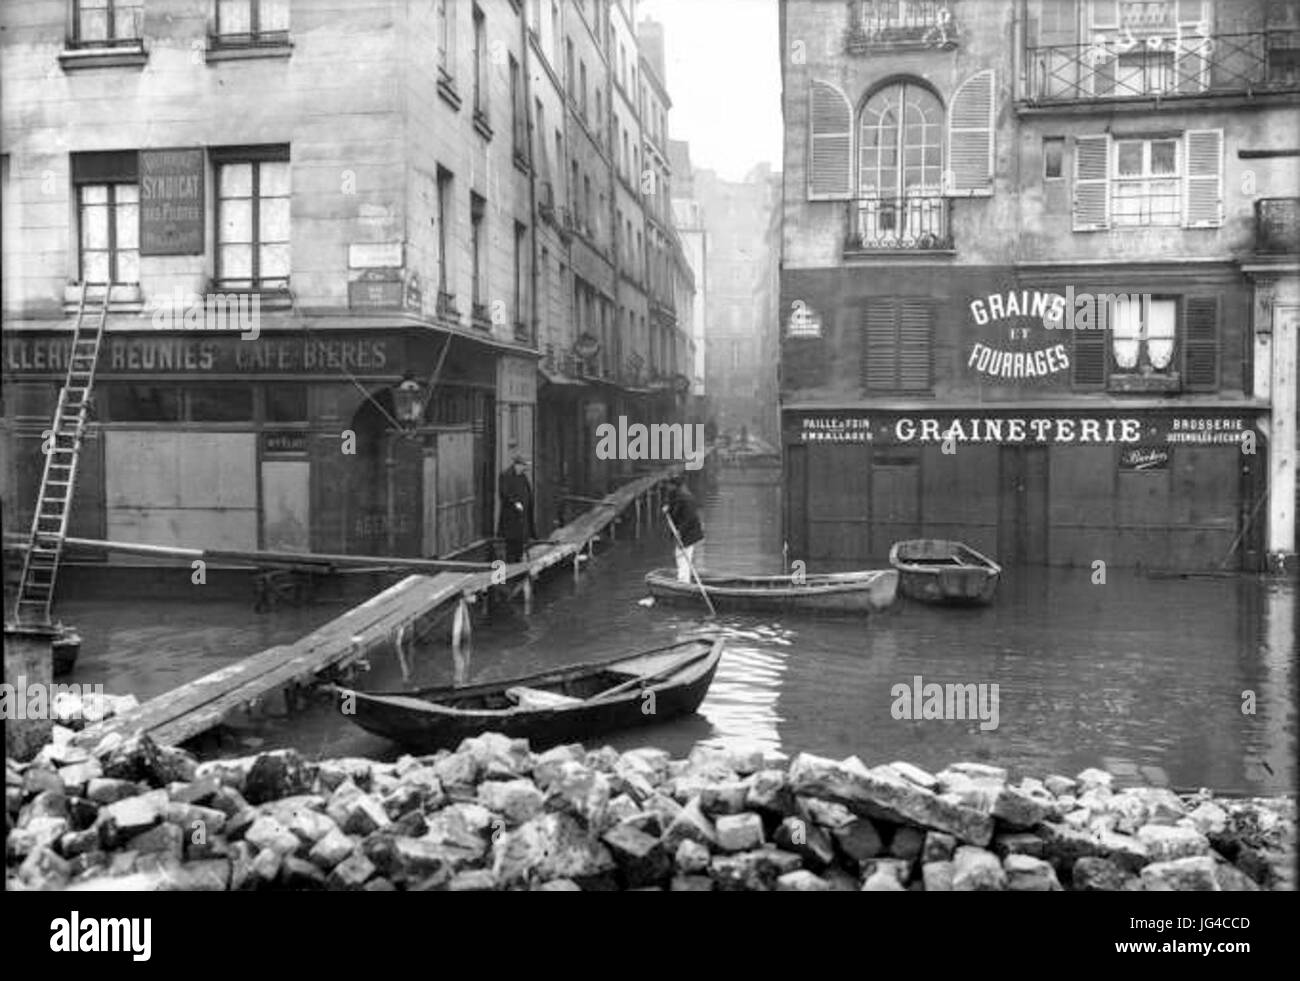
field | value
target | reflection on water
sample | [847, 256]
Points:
[1145, 676]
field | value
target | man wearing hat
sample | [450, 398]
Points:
[515, 523]
[685, 515]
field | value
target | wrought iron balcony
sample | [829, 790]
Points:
[876, 25]
[891, 224]
[1175, 66]
[1277, 226]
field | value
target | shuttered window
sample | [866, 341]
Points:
[1204, 204]
[1110, 348]
[1090, 359]
[1136, 181]
[1201, 343]
[896, 345]
[830, 148]
[970, 136]
[1091, 183]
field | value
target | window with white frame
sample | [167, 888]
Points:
[107, 23]
[1142, 334]
[253, 220]
[1148, 181]
[253, 21]
[1145, 186]
[108, 217]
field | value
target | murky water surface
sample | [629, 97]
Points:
[1185, 682]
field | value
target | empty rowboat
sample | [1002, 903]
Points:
[569, 704]
[842, 592]
[936, 571]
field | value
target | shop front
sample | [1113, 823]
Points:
[1158, 488]
[289, 442]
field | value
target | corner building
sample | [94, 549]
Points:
[954, 172]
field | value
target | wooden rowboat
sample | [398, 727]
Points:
[841, 592]
[569, 704]
[936, 571]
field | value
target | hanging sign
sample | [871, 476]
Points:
[171, 202]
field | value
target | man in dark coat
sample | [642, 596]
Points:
[685, 516]
[515, 523]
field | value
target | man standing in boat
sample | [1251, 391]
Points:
[685, 516]
[515, 524]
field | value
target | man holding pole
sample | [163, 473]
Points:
[684, 516]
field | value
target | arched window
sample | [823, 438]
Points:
[900, 145]
[900, 169]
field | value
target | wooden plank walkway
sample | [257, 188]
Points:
[380, 623]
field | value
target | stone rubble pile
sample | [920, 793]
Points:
[494, 815]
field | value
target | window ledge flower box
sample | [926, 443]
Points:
[1165, 381]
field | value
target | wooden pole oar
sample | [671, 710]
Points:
[648, 678]
[691, 565]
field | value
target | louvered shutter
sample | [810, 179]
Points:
[897, 346]
[1204, 194]
[1090, 359]
[1201, 343]
[914, 347]
[1091, 183]
[879, 345]
[830, 144]
[970, 136]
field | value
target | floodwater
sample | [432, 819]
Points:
[1177, 682]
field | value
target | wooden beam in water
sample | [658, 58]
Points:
[297, 559]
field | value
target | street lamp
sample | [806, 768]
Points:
[408, 404]
[408, 400]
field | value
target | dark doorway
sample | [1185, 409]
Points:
[1022, 519]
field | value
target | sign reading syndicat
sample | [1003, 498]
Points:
[171, 202]
[1025, 428]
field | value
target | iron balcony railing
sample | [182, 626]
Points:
[1179, 65]
[913, 222]
[883, 24]
[1277, 226]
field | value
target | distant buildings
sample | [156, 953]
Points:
[471, 194]
[741, 322]
[951, 169]
[694, 239]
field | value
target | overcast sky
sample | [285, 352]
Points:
[724, 78]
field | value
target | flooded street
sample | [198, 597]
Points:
[1146, 677]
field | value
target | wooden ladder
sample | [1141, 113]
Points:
[62, 448]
